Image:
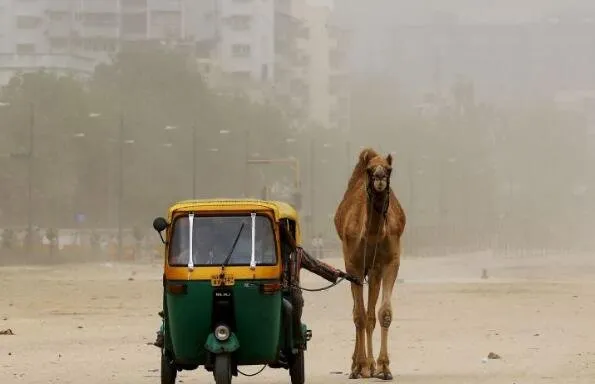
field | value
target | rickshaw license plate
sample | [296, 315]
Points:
[217, 280]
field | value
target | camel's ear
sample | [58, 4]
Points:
[389, 159]
[365, 156]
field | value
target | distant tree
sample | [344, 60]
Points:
[78, 143]
[56, 107]
[151, 89]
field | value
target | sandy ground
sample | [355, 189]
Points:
[91, 324]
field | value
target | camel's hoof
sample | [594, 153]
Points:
[384, 376]
[362, 373]
[372, 368]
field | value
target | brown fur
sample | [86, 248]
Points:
[371, 246]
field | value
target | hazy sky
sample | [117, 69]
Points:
[372, 21]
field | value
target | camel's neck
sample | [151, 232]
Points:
[378, 202]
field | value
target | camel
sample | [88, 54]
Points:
[370, 222]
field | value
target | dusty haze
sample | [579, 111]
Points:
[489, 111]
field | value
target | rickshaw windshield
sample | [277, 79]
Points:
[213, 239]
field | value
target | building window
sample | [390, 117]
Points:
[99, 45]
[58, 43]
[134, 3]
[28, 22]
[134, 23]
[99, 19]
[240, 75]
[58, 16]
[25, 49]
[336, 59]
[240, 22]
[241, 50]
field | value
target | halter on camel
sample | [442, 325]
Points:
[383, 211]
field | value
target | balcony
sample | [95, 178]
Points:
[235, 7]
[61, 6]
[340, 103]
[290, 26]
[337, 62]
[134, 5]
[299, 88]
[164, 31]
[165, 5]
[49, 61]
[103, 6]
[283, 7]
[134, 26]
[299, 59]
[103, 31]
[338, 84]
[301, 73]
[57, 30]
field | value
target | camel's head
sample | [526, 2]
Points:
[378, 170]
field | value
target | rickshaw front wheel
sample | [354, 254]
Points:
[222, 368]
[168, 370]
[297, 368]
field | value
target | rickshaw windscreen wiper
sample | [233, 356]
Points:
[233, 247]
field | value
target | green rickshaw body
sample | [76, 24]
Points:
[258, 322]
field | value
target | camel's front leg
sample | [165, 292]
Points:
[359, 367]
[385, 315]
[375, 278]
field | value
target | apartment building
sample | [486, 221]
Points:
[293, 59]
[339, 76]
[285, 49]
[323, 65]
[237, 38]
[74, 35]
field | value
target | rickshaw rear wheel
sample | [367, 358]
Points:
[297, 369]
[222, 368]
[168, 370]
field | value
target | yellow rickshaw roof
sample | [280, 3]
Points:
[281, 209]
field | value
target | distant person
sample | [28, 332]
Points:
[318, 245]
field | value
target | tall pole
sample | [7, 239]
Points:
[30, 177]
[120, 183]
[194, 161]
[312, 181]
[247, 159]
[348, 155]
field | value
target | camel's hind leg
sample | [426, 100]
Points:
[374, 279]
[385, 315]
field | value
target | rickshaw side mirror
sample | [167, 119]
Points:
[160, 225]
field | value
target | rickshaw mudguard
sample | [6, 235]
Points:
[228, 346]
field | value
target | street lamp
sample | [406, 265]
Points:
[169, 145]
[120, 198]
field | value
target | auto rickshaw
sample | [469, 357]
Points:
[225, 298]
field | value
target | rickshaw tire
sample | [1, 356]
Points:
[222, 368]
[297, 369]
[168, 371]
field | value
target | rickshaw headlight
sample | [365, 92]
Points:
[222, 332]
